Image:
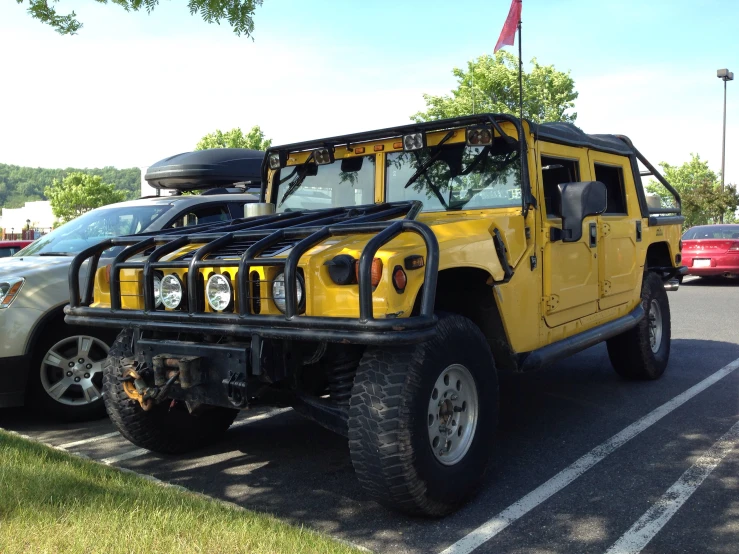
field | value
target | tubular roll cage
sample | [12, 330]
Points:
[309, 230]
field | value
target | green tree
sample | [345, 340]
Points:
[235, 138]
[79, 193]
[238, 13]
[491, 83]
[703, 201]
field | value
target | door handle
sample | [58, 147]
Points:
[593, 234]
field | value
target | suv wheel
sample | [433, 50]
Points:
[643, 352]
[168, 428]
[422, 420]
[67, 378]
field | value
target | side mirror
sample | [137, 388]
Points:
[576, 202]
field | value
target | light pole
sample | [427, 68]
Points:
[725, 75]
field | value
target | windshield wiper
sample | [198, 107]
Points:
[295, 185]
[54, 254]
[428, 163]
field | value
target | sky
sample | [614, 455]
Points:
[133, 88]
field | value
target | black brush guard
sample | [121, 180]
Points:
[308, 229]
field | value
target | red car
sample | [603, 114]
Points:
[10, 247]
[712, 250]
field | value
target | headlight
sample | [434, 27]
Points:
[9, 289]
[157, 291]
[171, 291]
[218, 292]
[278, 293]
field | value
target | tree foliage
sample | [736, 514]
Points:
[19, 184]
[79, 193]
[235, 138]
[703, 201]
[238, 13]
[491, 83]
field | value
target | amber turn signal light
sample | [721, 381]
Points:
[376, 272]
[400, 279]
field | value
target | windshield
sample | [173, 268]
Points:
[94, 227]
[456, 177]
[712, 232]
[347, 182]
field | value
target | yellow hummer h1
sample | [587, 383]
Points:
[387, 278]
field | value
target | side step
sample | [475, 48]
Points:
[551, 353]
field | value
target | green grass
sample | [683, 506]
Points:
[53, 502]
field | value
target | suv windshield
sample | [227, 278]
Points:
[347, 182]
[456, 177]
[94, 227]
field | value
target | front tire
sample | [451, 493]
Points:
[642, 353]
[422, 420]
[66, 379]
[164, 428]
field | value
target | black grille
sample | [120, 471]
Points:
[238, 247]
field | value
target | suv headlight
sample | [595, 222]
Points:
[278, 293]
[9, 289]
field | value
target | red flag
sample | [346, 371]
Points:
[509, 27]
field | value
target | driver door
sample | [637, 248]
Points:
[570, 269]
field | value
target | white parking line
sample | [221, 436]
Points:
[648, 525]
[90, 440]
[515, 511]
[135, 453]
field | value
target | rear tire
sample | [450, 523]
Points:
[642, 353]
[402, 399]
[165, 429]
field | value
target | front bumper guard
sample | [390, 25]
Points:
[363, 330]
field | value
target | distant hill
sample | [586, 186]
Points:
[20, 184]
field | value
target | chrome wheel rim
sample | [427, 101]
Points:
[72, 370]
[452, 414]
[655, 326]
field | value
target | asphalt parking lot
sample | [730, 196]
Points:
[585, 462]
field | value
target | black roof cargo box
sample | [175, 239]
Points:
[205, 169]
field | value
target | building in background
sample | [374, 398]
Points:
[16, 223]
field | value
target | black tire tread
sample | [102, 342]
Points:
[379, 435]
[630, 352]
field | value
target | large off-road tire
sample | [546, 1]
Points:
[164, 428]
[642, 353]
[66, 378]
[407, 402]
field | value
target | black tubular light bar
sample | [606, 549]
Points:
[306, 229]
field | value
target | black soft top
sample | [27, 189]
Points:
[201, 169]
[567, 133]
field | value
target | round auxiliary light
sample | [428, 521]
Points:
[218, 292]
[170, 292]
[157, 291]
[278, 292]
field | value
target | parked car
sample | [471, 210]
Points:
[712, 250]
[57, 366]
[10, 247]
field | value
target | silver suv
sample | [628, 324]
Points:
[43, 360]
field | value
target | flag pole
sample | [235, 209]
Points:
[522, 138]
